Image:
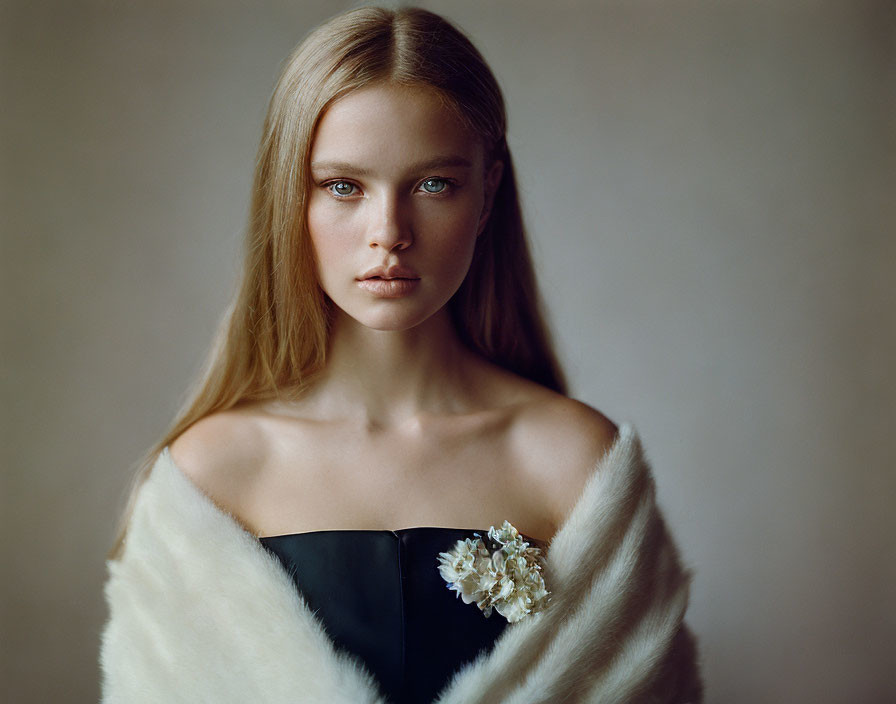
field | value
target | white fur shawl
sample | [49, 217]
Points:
[200, 611]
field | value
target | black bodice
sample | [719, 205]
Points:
[380, 596]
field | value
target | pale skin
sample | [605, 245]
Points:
[406, 427]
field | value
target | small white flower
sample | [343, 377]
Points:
[505, 575]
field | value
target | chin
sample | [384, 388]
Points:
[393, 321]
[390, 317]
[393, 315]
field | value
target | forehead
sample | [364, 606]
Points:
[388, 126]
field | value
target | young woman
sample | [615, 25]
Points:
[383, 428]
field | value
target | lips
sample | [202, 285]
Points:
[389, 288]
[396, 271]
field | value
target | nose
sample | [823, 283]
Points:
[390, 227]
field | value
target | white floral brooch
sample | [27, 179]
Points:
[502, 572]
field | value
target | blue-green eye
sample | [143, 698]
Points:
[341, 188]
[434, 185]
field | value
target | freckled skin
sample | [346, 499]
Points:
[381, 207]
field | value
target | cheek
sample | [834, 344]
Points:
[454, 230]
[327, 240]
[450, 249]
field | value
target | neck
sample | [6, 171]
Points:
[382, 379]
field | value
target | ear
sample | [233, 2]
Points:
[492, 181]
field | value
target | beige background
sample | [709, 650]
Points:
[709, 190]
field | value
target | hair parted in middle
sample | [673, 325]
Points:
[497, 310]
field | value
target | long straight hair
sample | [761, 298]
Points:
[272, 340]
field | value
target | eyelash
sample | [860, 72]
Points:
[450, 184]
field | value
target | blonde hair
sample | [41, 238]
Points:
[272, 341]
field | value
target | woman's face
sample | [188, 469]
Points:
[396, 181]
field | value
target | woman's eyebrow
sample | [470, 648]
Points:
[345, 167]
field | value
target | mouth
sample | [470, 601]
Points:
[381, 287]
[388, 273]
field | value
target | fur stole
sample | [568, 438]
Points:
[200, 611]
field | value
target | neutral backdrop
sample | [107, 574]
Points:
[709, 188]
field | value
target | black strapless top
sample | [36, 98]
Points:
[380, 596]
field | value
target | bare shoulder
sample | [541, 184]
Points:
[220, 454]
[559, 441]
